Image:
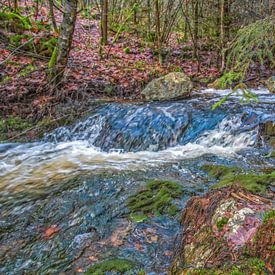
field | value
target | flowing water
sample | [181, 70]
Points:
[63, 198]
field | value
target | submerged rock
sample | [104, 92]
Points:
[157, 198]
[171, 86]
[267, 131]
[222, 233]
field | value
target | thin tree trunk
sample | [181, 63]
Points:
[222, 36]
[104, 22]
[15, 5]
[65, 40]
[52, 15]
[158, 31]
[149, 18]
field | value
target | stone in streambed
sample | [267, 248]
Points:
[171, 86]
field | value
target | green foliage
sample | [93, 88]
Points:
[227, 80]
[255, 183]
[116, 265]
[269, 216]
[253, 43]
[221, 223]
[156, 198]
[27, 70]
[127, 50]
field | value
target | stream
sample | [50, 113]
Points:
[63, 198]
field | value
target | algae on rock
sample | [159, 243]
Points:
[156, 198]
[255, 183]
[116, 265]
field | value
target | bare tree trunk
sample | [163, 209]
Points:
[65, 40]
[52, 15]
[157, 11]
[15, 5]
[148, 18]
[222, 36]
[104, 22]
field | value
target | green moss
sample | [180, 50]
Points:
[156, 198]
[12, 124]
[269, 216]
[252, 182]
[116, 265]
[221, 223]
[249, 266]
[255, 183]
[219, 171]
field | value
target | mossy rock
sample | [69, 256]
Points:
[156, 198]
[120, 266]
[219, 171]
[255, 183]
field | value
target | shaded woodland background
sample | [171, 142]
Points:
[57, 57]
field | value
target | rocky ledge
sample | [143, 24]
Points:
[227, 231]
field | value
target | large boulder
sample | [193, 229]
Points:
[226, 230]
[171, 86]
[270, 83]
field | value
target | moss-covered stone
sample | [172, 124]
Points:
[115, 265]
[156, 198]
[255, 183]
[219, 171]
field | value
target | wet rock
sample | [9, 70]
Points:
[172, 86]
[120, 266]
[155, 199]
[267, 131]
[221, 229]
[270, 83]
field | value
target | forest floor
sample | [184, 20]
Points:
[118, 73]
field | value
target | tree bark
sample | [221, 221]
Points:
[157, 12]
[52, 16]
[104, 22]
[65, 39]
[222, 36]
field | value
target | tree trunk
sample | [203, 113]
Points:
[15, 5]
[149, 19]
[65, 40]
[222, 36]
[52, 15]
[104, 22]
[157, 11]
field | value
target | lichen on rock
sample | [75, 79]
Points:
[171, 86]
[219, 231]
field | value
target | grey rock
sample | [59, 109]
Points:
[171, 86]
